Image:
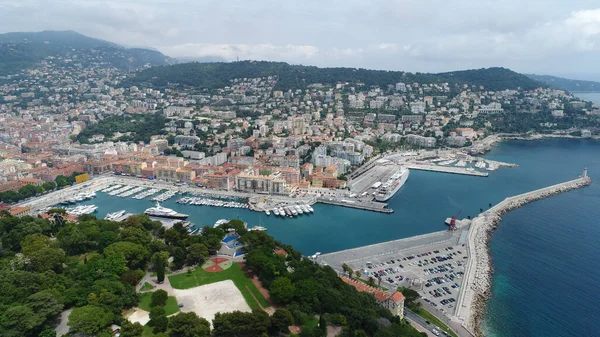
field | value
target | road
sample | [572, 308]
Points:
[422, 322]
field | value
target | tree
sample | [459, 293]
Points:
[20, 321]
[197, 253]
[49, 186]
[323, 324]
[188, 324]
[159, 298]
[48, 333]
[89, 319]
[160, 260]
[61, 181]
[46, 303]
[158, 319]
[281, 320]
[411, 296]
[347, 269]
[282, 290]
[129, 329]
[57, 210]
[135, 254]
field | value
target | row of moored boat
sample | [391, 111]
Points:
[291, 210]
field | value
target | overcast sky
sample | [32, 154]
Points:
[560, 37]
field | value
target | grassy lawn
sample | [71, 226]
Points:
[311, 322]
[374, 285]
[170, 308]
[235, 273]
[146, 286]
[434, 320]
[147, 331]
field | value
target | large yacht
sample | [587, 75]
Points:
[387, 190]
[163, 212]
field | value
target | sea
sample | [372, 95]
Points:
[546, 255]
[593, 97]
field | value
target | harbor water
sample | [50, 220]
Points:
[545, 254]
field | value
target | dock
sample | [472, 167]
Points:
[444, 169]
[367, 206]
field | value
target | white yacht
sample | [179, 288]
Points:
[115, 215]
[163, 212]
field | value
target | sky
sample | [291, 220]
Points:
[557, 37]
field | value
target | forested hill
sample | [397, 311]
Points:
[20, 50]
[215, 75]
[566, 84]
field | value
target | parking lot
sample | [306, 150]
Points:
[435, 270]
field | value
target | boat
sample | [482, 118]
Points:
[115, 215]
[162, 212]
[275, 211]
[257, 228]
[267, 212]
[298, 209]
[388, 189]
[310, 208]
[220, 222]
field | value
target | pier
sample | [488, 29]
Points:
[470, 303]
[367, 206]
[445, 169]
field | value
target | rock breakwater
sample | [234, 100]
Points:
[477, 282]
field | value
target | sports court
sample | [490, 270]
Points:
[216, 264]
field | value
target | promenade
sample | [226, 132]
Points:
[477, 281]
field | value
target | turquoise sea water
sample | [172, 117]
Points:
[545, 254]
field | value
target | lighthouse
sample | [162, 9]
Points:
[585, 172]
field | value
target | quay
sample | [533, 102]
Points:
[364, 205]
[476, 287]
[472, 264]
[445, 169]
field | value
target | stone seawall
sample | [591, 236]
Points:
[477, 282]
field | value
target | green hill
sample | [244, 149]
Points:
[565, 83]
[21, 50]
[214, 75]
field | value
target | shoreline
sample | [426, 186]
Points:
[477, 285]
[492, 140]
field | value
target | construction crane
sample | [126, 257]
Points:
[452, 223]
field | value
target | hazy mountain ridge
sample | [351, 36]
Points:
[21, 50]
[566, 84]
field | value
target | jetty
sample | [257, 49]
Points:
[476, 287]
[445, 169]
[367, 206]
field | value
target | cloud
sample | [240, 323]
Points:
[426, 35]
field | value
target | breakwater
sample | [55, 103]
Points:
[477, 281]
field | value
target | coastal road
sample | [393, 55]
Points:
[421, 322]
[419, 327]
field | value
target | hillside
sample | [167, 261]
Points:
[565, 83]
[214, 75]
[22, 50]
